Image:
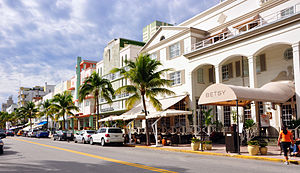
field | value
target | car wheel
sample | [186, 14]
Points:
[75, 140]
[91, 141]
[83, 141]
[54, 139]
[102, 142]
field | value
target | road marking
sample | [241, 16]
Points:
[103, 158]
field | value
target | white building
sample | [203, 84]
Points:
[238, 42]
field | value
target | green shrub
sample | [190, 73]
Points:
[194, 140]
[207, 142]
[263, 143]
[255, 142]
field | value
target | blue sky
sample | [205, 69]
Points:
[40, 39]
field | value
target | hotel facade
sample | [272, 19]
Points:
[246, 43]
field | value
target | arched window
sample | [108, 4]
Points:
[162, 38]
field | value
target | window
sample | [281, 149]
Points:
[162, 38]
[287, 12]
[288, 54]
[87, 103]
[237, 68]
[261, 63]
[122, 61]
[287, 114]
[227, 120]
[153, 56]
[245, 66]
[114, 131]
[179, 121]
[211, 76]
[227, 71]
[165, 122]
[200, 75]
[175, 77]
[174, 50]
[247, 113]
[102, 130]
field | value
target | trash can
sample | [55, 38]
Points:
[231, 142]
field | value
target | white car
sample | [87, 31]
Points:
[107, 135]
[83, 136]
[32, 133]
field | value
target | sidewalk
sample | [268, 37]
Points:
[219, 150]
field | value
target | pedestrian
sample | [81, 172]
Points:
[285, 140]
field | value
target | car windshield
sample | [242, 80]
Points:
[114, 131]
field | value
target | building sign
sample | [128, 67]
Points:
[215, 93]
[107, 109]
[265, 120]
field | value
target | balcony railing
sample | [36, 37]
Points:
[282, 14]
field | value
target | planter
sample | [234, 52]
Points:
[195, 146]
[263, 150]
[208, 146]
[253, 149]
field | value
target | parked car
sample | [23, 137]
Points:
[83, 136]
[25, 133]
[20, 133]
[1, 146]
[10, 133]
[107, 135]
[32, 133]
[63, 135]
[42, 134]
[2, 134]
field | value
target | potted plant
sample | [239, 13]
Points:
[195, 144]
[208, 145]
[253, 147]
[263, 147]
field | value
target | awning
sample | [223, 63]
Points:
[42, 123]
[221, 94]
[169, 113]
[137, 111]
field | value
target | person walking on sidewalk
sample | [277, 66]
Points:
[285, 139]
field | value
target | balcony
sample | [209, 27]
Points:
[247, 26]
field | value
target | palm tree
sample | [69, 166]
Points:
[145, 81]
[98, 87]
[62, 105]
[30, 111]
[46, 111]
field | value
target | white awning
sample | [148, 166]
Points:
[221, 94]
[137, 111]
[169, 113]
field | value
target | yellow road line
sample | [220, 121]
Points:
[103, 158]
[220, 154]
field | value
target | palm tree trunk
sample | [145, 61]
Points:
[97, 111]
[64, 125]
[146, 130]
[47, 123]
[30, 124]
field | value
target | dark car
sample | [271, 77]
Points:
[10, 133]
[2, 134]
[63, 135]
[42, 134]
[1, 146]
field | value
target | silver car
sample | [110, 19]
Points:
[83, 136]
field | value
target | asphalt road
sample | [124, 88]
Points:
[44, 155]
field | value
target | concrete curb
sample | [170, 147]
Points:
[217, 154]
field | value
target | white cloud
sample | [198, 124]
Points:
[40, 40]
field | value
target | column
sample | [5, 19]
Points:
[78, 121]
[190, 80]
[252, 83]
[218, 78]
[296, 64]
[252, 71]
